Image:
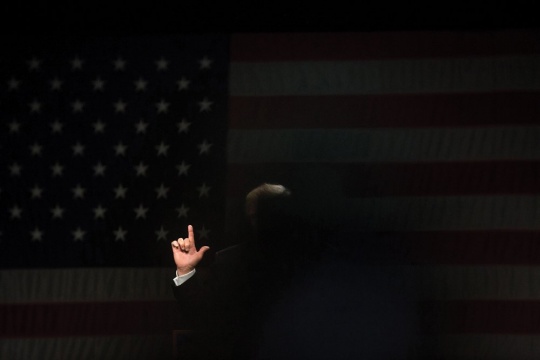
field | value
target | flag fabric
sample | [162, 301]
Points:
[429, 139]
[109, 148]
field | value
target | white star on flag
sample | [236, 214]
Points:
[14, 127]
[141, 127]
[183, 126]
[34, 64]
[78, 149]
[204, 147]
[57, 212]
[183, 84]
[141, 169]
[98, 84]
[99, 169]
[77, 106]
[35, 149]
[56, 127]
[15, 212]
[13, 84]
[78, 192]
[119, 64]
[162, 64]
[140, 84]
[76, 63]
[57, 170]
[182, 211]
[36, 235]
[162, 106]
[78, 234]
[35, 106]
[120, 107]
[120, 234]
[56, 84]
[99, 212]
[162, 191]
[15, 169]
[120, 149]
[183, 168]
[120, 192]
[203, 190]
[162, 149]
[36, 192]
[205, 105]
[161, 234]
[205, 63]
[140, 212]
[203, 233]
[99, 126]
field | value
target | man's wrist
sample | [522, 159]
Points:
[183, 270]
[180, 279]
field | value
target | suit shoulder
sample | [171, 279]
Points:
[230, 255]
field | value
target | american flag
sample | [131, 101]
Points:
[109, 146]
[429, 139]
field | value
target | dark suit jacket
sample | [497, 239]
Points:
[354, 302]
[227, 303]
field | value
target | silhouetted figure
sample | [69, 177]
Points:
[291, 292]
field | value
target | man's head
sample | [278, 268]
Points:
[283, 233]
[271, 212]
[258, 199]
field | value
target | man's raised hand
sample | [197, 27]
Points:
[186, 255]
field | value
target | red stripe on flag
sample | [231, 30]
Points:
[469, 247]
[481, 317]
[390, 45]
[397, 179]
[376, 111]
[87, 319]
[402, 179]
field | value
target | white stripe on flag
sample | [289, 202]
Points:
[478, 282]
[504, 212]
[384, 145]
[85, 284]
[407, 76]
[452, 282]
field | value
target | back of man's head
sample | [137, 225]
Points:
[278, 224]
[259, 198]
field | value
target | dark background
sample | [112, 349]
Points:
[23, 19]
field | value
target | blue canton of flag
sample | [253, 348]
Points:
[110, 148]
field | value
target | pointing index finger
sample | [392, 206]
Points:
[191, 235]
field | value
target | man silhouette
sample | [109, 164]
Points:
[295, 290]
[227, 303]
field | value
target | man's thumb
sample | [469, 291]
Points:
[203, 249]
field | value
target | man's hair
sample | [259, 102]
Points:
[263, 193]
